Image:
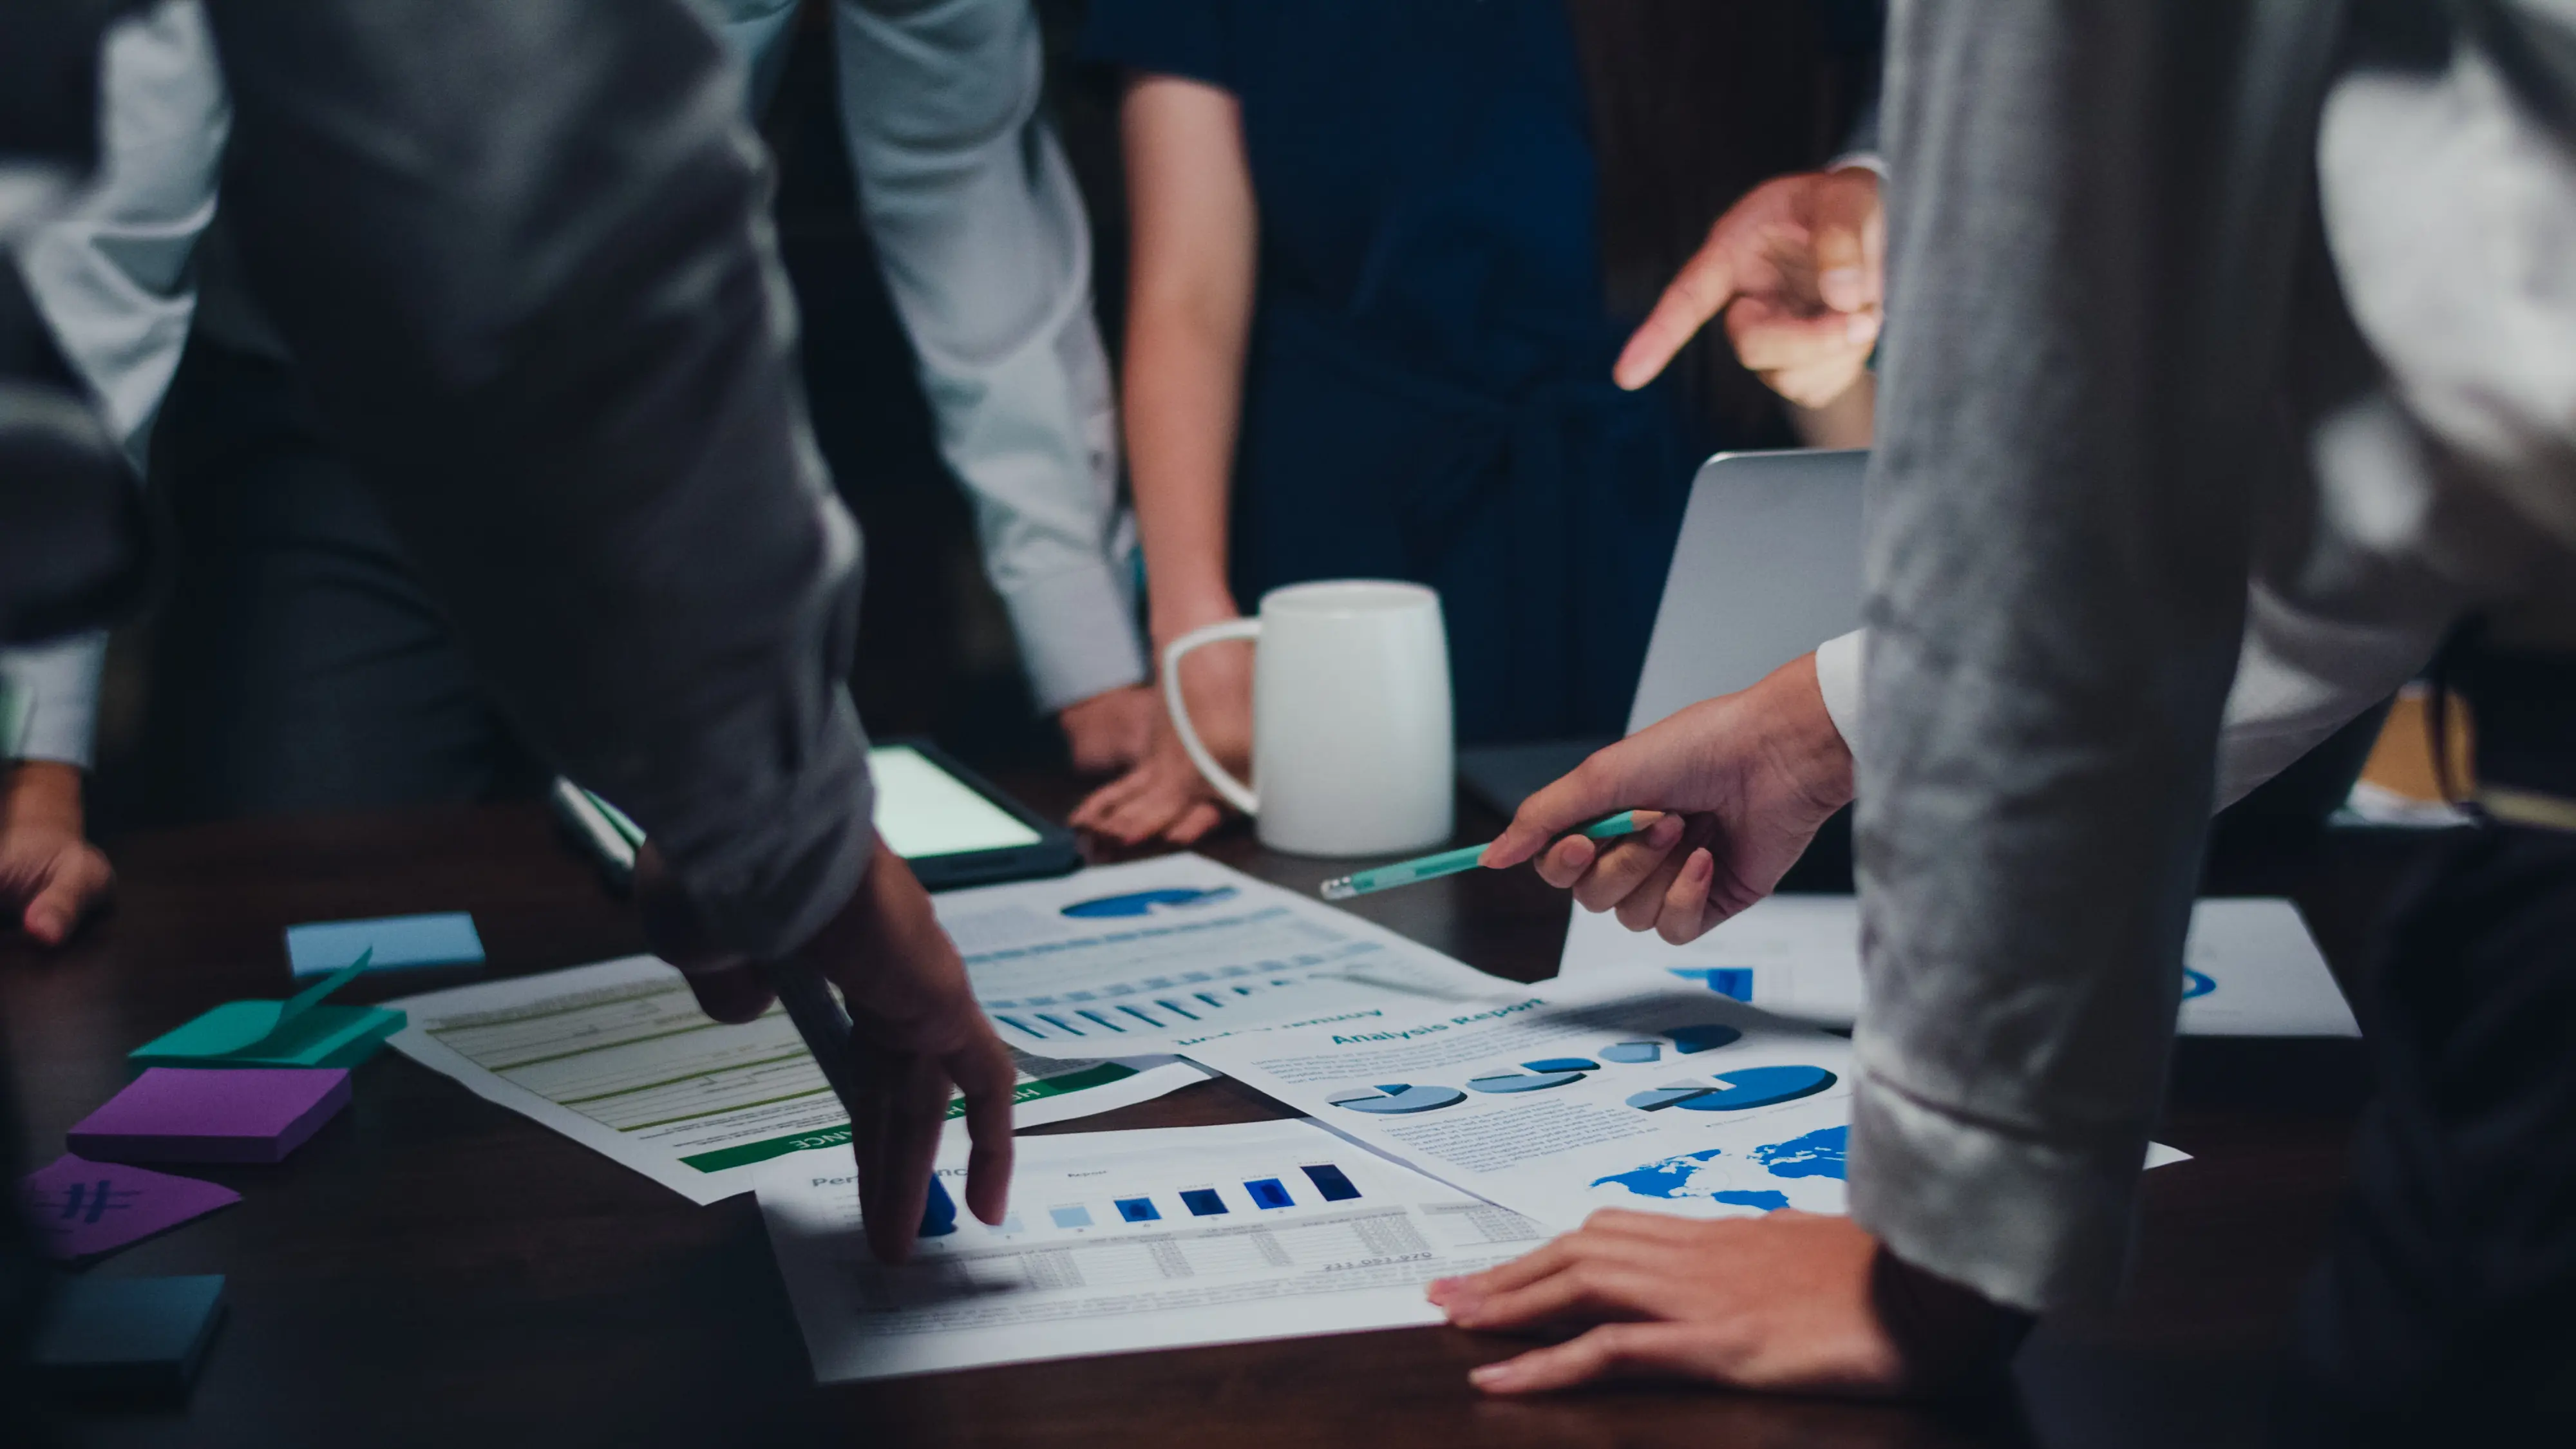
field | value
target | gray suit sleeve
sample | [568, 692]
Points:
[2057, 547]
[520, 249]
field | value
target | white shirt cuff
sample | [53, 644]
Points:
[1076, 635]
[56, 686]
[1865, 160]
[1838, 680]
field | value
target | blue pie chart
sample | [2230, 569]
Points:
[1145, 903]
[1523, 1082]
[1398, 1100]
[1672, 1096]
[1633, 1051]
[1704, 1038]
[1749, 1087]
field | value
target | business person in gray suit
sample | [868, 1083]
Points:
[2230, 372]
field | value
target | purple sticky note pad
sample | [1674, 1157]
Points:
[212, 1114]
[80, 1209]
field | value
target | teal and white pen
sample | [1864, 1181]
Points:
[1451, 862]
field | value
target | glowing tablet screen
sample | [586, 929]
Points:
[922, 810]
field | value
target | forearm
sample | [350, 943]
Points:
[2057, 581]
[1189, 317]
[1184, 394]
[570, 377]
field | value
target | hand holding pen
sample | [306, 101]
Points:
[1747, 778]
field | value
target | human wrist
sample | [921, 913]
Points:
[42, 795]
[1171, 618]
[1800, 735]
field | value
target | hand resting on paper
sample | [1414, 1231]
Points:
[913, 1016]
[1748, 778]
[1790, 1301]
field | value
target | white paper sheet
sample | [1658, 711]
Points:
[617, 1057]
[2253, 968]
[1148, 956]
[1266, 1230]
[1626, 1090]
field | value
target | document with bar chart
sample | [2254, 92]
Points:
[618, 1057]
[1150, 956]
[1626, 1089]
[1120, 1241]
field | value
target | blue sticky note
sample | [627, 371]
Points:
[447, 938]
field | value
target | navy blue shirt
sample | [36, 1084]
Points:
[1428, 393]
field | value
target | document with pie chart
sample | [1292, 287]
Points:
[1626, 1090]
[1145, 957]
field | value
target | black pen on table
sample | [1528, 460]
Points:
[826, 1029]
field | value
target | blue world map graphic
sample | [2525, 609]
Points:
[1716, 1176]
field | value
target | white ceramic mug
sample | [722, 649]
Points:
[1352, 752]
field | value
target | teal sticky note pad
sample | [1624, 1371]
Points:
[447, 938]
[144, 1337]
[324, 1036]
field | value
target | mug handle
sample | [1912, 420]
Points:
[1236, 793]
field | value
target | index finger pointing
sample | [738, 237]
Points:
[1705, 284]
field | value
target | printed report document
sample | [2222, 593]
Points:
[618, 1057]
[1627, 1089]
[1119, 1241]
[2250, 968]
[1149, 956]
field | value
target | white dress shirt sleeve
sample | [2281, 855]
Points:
[111, 275]
[56, 689]
[987, 253]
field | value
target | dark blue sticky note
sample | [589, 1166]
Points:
[138, 1337]
[447, 938]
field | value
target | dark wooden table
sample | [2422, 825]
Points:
[432, 1269]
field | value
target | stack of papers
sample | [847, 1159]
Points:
[1469, 1117]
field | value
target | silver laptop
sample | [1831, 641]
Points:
[1768, 567]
